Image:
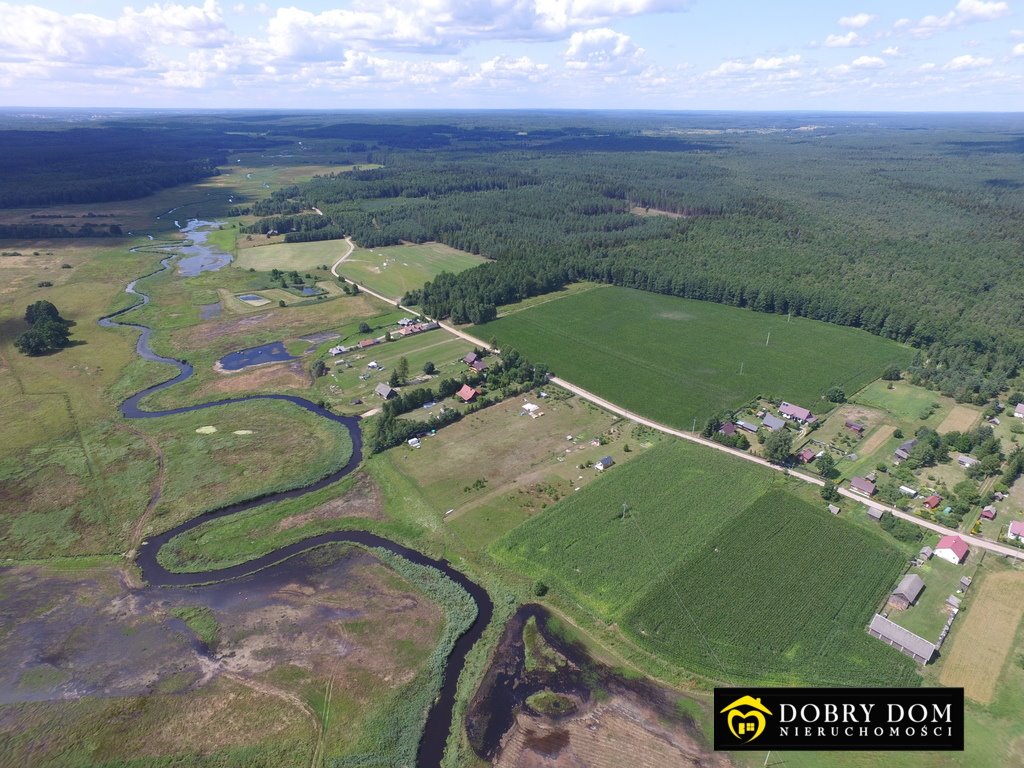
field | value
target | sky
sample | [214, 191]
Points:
[914, 55]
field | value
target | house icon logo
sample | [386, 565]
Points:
[746, 718]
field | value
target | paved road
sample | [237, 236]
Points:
[973, 541]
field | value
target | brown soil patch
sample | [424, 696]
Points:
[960, 419]
[641, 211]
[612, 734]
[362, 500]
[876, 441]
[286, 375]
[986, 637]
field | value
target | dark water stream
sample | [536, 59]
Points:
[439, 718]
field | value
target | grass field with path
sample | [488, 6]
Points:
[289, 256]
[394, 270]
[676, 360]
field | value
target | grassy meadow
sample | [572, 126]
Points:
[676, 360]
[397, 269]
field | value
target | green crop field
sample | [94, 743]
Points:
[677, 360]
[734, 579]
[783, 597]
[400, 268]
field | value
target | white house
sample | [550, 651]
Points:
[952, 548]
[1016, 530]
[1019, 411]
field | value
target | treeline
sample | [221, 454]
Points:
[39, 231]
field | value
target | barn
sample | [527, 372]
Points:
[903, 640]
[909, 589]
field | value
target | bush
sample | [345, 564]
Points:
[540, 589]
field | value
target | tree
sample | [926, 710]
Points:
[835, 395]
[711, 427]
[319, 369]
[827, 465]
[402, 369]
[428, 368]
[38, 310]
[394, 380]
[829, 491]
[778, 446]
[364, 327]
[891, 373]
[30, 343]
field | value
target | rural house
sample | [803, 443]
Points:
[385, 391]
[728, 429]
[863, 486]
[952, 549]
[807, 455]
[467, 393]
[906, 594]
[478, 365]
[875, 514]
[933, 501]
[746, 425]
[471, 358]
[988, 513]
[604, 463]
[903, 452]
[903, 640]
[1016, 530]
[1018, 411]
[856, 428]
[966, 461]
[367, 343]
[773, 423]
[796, 413]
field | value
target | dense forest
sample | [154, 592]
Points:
[913, 232]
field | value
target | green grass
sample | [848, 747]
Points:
[782, 597]
[202, 621]
[395, 270]
[906, 402]
[927, 616]
[678, 504]
[676, 360]
[289, 256]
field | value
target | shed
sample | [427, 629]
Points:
[988, 513]
[807, 455]
[965, 583]
[906, 490]
[854, 427]
[1018, 411]
[966, 461]
[530, 407]
[833, 509]
[932, 501]
[925, 553]
[903, 640]
[367, 343]
[952, 548]
[862, 485]
[875, 513]
[405, 321]
[603, 463]
[467, 393]
[909, 589]
[773, 423]
[385, 391]
[953, 602]
[747, 426]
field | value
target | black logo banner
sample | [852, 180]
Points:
[839, 718]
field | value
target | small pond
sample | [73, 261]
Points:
[274, 352]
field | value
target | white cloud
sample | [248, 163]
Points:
[967, 61]
[894, 51]
[965, 12]
[603, 49]
[1018, 49]
[848, 40]
[738, 66]
[857, 21]
[868, 62]
[901, 23]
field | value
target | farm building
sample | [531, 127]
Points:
[903, 640]
[406, 321]
[857, 429]
[746, 425]
[875, 514]
[796, 413]
[953, 602]
[909, 589]
[385, 391]
[471, 358]
[807, 455]
[965, 583]
[952, 548]
[338, 350]
[367, 343]
[862, 485]
[1018, 411]
[467, 393]
[925, 553]
[966, 461]
[728, 429]
[603, 463]
[932, 501]
[478, 365]
[988, 513]
[773, 423]
[906, 490]
[1016, 530]
[532, 410]
[833, 509]
[903, 452]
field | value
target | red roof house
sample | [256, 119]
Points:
[1016, 530]
[791, 411]
[807, 455]
[952, 548]
[932, 501]
[728, 428]
[467, 393]
[862, 486]
[988, 513]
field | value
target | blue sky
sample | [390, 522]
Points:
[637, 54]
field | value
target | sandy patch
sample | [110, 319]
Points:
[876, 441]
[276, 376]
[960, 419]
[984, 641]
[207, 430]
[242, 432]
[363, 500]
[637, 210]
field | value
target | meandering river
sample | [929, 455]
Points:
[439, 718]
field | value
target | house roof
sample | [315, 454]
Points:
[747, 426]
[953, 601]
[728, 428]
[926, 552]
[384, 391]
[875, 514]
[904, 638]
[773, 422]
[807, 455]
[954, 544]
[1019, 410]
[606, 461]
[910, 587]
[855, 425]
[467, 392]
[471, 358]
[862, 484]
[788, 409]
[989, 513]
[933, 501]
[478, 365]
[833, 509]
[1017, 528]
